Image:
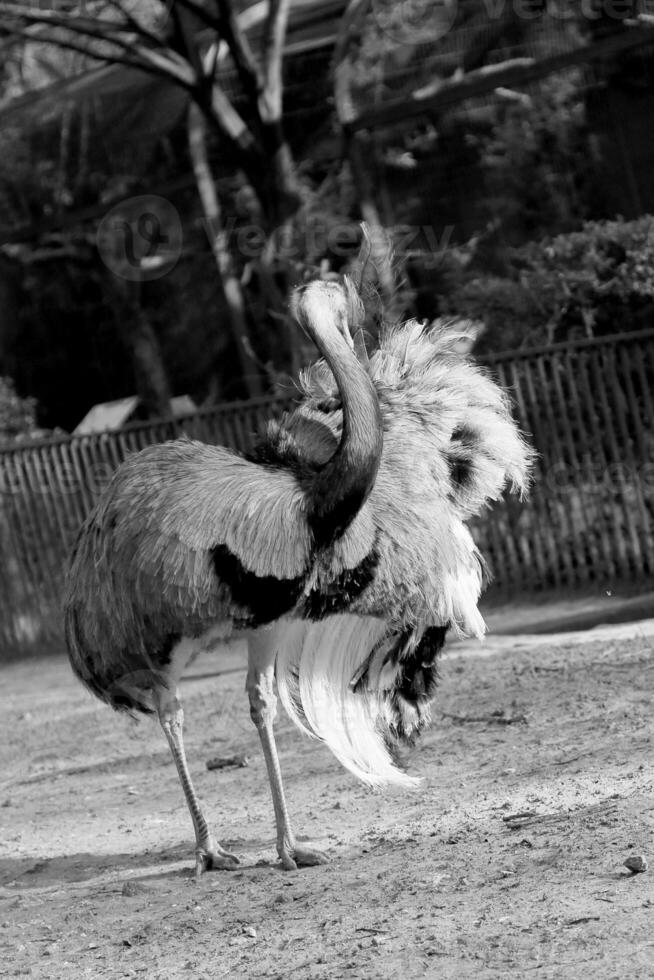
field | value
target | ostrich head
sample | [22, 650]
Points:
[322, 306]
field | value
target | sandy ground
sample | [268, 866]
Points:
[507, 862]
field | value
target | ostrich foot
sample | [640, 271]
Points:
[296, 857]
[212, 858]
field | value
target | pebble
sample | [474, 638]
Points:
[636, 864]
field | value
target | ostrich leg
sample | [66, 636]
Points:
[208, 855]
[263, 706]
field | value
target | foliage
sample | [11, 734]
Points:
[536, 162]
[592, 282]
[17, 415]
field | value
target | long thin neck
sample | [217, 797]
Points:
[342, 486]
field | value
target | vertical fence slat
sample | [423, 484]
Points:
[586, 485]
[64, 487]
[36, 522]
[646, 381]
[556, 439]
[50, 487]
[569, 412]
[525, 566]
[546, 549]
[516, 569]
[636, 421]
[616, 452]
[631, 435]
[19, 561]
[595, 446]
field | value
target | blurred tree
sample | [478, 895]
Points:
[184, 41]
[587, 283]
[17, 415]
[537, 161]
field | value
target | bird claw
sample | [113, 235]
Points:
[296, 857]
[214, 859]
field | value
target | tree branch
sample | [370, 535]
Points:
[231, 123]
[160, 60]
[347, 41]
[94, 27]
[114, 58]
[185, 43]
[27, 256]
[170, 66]
[201, 12]
[441, 96]
[136, 26]
[218, 239]
[240, 50]
[273, 50]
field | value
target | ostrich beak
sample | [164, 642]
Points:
[359, 347]
[356, 318]
[348, 336]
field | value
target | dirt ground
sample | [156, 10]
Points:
[507, 862]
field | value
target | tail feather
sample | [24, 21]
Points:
[348, 682]
[316, 663]
[404, 669]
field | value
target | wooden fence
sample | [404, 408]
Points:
[589, 407]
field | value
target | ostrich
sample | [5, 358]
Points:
[339, 549]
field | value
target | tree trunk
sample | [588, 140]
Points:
[346, 50]
[265, 158]
[283, 190]
[152, 384]
[229, 281]
[141, 342]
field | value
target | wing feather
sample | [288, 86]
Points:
[186, 496]
[145, 556]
